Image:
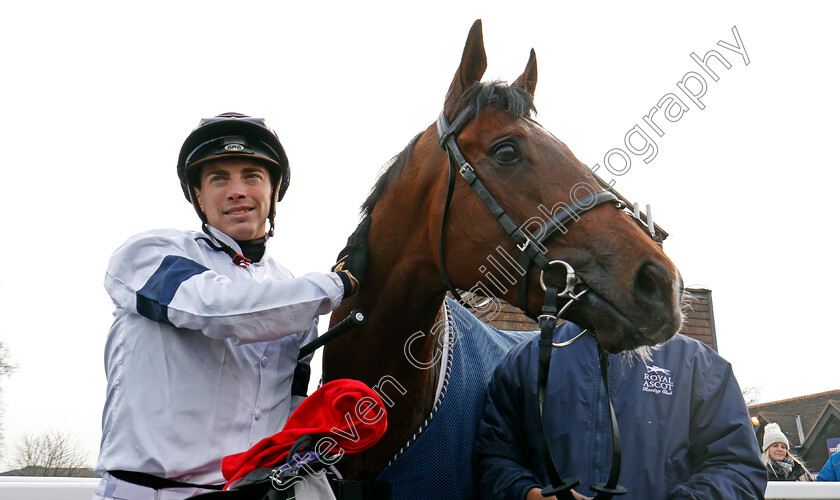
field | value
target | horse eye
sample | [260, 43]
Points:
[506, 154]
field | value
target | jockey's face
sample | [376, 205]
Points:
[235, 196]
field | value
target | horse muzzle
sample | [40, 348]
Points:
[650, 316]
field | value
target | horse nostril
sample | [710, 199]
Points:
[653, 284]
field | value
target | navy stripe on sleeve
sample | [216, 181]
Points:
[157, 293]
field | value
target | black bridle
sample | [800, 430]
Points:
[532, 255]
[528, 246]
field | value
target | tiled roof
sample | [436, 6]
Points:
[508, 318]
[698, 323]
[809, 408]
[698, 316]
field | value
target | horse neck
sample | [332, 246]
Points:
[403, 291]
[401, 296]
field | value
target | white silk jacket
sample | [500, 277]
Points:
[201, 359]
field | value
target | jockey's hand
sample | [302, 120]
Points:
[351, 264]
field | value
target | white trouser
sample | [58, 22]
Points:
[110, 488]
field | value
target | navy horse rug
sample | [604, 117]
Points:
[437, 462]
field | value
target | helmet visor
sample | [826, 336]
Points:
[232, 146]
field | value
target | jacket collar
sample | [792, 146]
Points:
[221, 238]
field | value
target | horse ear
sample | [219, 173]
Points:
[471, 69]
[527, 81]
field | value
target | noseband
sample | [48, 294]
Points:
[531, 254]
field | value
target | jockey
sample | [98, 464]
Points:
[201, 359]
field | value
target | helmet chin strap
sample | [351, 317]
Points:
[220, 246]
[273, 210]
[196, 206]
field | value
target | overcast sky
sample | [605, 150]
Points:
[98, 96]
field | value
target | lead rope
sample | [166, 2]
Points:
[560, 487]
[611, 487]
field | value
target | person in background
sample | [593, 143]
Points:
[831, 469]
[782, 465]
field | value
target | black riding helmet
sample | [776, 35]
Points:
[233, 135]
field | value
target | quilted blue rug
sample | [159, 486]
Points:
[437, 463]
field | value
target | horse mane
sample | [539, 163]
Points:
[515, 102]
[390, 171]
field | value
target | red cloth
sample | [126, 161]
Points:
[347, 411]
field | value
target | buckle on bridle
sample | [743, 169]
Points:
[571, 280]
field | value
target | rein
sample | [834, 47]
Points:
[531, 254]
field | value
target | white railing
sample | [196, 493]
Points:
[795, 490]
[81, 488]
[47, 488]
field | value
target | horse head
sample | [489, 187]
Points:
[633, 289]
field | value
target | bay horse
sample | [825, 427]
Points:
[426, 231]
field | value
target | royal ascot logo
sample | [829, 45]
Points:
[658, 381]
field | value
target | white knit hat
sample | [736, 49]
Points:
[773, 434]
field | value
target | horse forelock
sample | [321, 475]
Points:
[513, 101]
